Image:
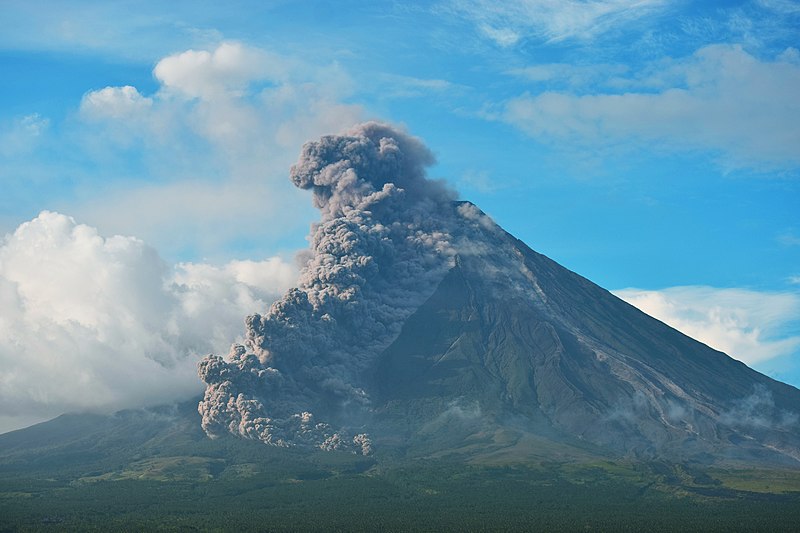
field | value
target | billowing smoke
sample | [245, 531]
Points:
[383, 242]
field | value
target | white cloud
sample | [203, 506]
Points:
[720, 99]
[479, 180]
[235, 114]
[136, 32]
[785, 7]
[748, 325]
[95, 323]
[224, 72]
[212, 145]
[506, 23]
[503, 36]
[21, 135]
[789, 239]
[574, 76]
[115, 102]
[410, 87]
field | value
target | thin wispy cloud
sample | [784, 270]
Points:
[789, 239]
[570, 75]
[507, 23]
[21, 135]
[721, 99]
[788, 7]
[398, 86]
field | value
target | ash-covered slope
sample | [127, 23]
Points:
[414, 310]
[511, 338]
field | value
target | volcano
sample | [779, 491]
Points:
[545, 352]
[420, 325]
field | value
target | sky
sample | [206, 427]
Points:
[652, 146]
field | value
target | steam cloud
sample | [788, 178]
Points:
[383, 242]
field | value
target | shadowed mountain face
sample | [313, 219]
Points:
[563, 358]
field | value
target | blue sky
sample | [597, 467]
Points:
[653, 146]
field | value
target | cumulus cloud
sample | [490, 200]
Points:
[215, 139]
[100, 323]
[115, 102]
[720, 99]
[223, 72]
[749, 325]
[507, 23]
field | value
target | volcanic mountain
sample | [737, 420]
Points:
[418, 324]
[557, 356]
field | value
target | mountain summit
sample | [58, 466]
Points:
[420, 324]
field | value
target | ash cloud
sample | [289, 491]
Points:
[385, 239]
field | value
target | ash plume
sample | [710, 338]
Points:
[384, 240]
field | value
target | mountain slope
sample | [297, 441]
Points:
[577, 363]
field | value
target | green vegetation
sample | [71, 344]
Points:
[150, 471]
[289, 490]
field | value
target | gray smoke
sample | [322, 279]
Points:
[385, 239]
[758, 410]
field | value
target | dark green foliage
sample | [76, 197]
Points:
[285, 490]
[155, 470]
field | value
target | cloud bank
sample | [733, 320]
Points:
[93, 323]
[721, 99]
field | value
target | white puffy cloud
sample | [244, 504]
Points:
[115, 102]
[225, 71]
[101, 323]
[748, 325]
[721, 99]
[212, 144]
[506, 23]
